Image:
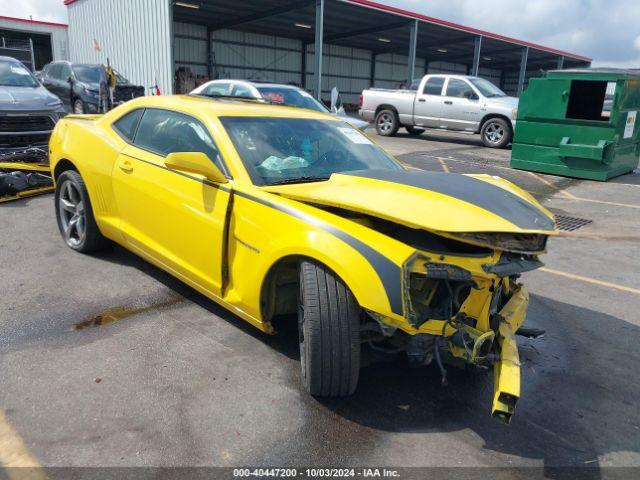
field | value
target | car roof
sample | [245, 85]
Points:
[261, 84]
[225, 107]
[9, 59]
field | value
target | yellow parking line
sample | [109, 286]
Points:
[593, 281]
[445, 167]
[548, 183]
[15, 453]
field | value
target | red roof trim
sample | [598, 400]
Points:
[36, 22]
[457, 26]
[69, 2]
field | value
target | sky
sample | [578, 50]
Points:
[606, 30]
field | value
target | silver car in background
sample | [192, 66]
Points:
[278, 94]
[449, 102]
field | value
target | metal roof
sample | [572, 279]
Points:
[372, 26]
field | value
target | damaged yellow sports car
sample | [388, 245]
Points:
[270, 211]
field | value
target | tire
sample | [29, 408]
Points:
[329, 333]
[496, 133]
[414, 130]
[387, 123]
[78, 107]
[74, 214]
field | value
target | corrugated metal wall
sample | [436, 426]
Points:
[134, 35]
[59, 40]
[252, 56]
[348, 69]
[190, 47]
[391, 70]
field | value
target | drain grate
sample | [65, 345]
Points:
[570, 224]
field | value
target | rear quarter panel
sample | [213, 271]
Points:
[92, 147]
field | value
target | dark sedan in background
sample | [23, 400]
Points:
[28, 112]
[84, 87]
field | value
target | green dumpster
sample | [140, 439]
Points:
[579, 123]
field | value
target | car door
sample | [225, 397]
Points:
[428, 103]
[461, 106]
[51, 79]
[176, 219]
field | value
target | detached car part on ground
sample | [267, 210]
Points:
[445, 102]
[274, 211]
[28, 113]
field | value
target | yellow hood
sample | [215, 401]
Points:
[444, 202]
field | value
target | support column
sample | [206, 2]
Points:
[372, 71]
[209, 57]
[303, 67]
[476, 56]
[561, 62]
[523, 70]
[413, 43]
[317, 70]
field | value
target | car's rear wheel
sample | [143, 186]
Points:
[496, 133]
[387, 123]
[78, 107]
[75, 216]
[329, 333]
[414, 130]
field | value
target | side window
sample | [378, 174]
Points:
[433, 86]
[242, 91]
[126, 125]
[164, 132]
[217, 89]
[53, 71]
[459, 88]
[65, 72]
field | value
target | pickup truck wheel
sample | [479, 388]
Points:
[414, 130]
[387, 123]
[496, 133]
[329, 333]
[75, 216]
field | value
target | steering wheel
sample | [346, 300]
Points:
[331, 158]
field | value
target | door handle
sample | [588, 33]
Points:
[422, 100]
[448, 102]
[126, 166]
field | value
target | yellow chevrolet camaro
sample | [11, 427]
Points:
[273, 211]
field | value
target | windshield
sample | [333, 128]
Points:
[87, 73]
[292, 97]
[14, 74]
[296, 150]
[487, 88]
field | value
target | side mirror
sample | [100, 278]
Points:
[70, 79]
[471, 95]
[195, 162]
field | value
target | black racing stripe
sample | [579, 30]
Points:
[468, 189]
[389, 273]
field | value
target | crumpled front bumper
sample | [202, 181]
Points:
[506, 391]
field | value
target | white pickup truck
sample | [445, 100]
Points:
[450, 102]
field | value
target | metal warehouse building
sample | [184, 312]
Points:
[32, 42]
[317, 44]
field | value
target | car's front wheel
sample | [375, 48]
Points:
[329, 333]
[75, 216]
